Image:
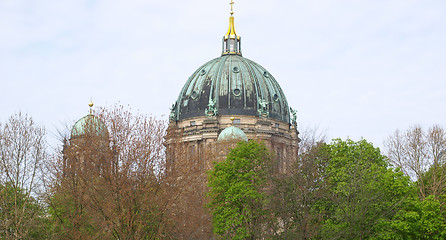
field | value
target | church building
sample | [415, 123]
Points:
[228, 99]
[237, 94]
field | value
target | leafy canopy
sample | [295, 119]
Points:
[237, 196]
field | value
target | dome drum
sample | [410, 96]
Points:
[199, 128]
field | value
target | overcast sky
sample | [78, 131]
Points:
[351, 68]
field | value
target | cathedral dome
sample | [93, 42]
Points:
[231, 85]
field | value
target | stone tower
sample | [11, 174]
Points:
[87, 151]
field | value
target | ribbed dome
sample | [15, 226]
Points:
[231, 85]
[232, 133]
[89, 125]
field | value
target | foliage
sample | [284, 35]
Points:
[365, 194]
[237, 192]
[419, 219]
[15, 204]
[341, 190]
[122, 188]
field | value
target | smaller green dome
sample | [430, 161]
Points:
[232, 133]
[89, 125]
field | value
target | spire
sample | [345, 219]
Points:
[231, 41]
[231, 31]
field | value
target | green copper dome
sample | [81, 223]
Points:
[232, 133]
[89, 125]
[231, 85]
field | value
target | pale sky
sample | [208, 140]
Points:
[351, 68]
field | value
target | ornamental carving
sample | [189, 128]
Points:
[294, 117]
[173, 115]
[263, 108]
[212, 109]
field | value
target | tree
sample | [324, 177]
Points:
[22, 151]
[238, 192]
[297, 197]
[415, 152]
[419, 219]
[364, 194]
[111, 186]
[309, 139]
[434, 180]
[32, 213]
[186, 178]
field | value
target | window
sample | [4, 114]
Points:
[276, 125]
[236, 92]
[194, 95]
[232, 45]
[236, 121]
[193, 123]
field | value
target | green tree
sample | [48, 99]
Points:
[422, 218]
[30, 214]
[238, 192]
[419, 219]
[364, 193]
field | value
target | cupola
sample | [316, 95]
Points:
[232, 133]
[231, 41]
[89, 125]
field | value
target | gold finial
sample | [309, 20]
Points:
[232, 120]
[91, 106]
[232, 7]
[231, 31]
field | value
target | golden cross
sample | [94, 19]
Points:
[232, 7]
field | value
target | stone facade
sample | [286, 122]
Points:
[200, 133]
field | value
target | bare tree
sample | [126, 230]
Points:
[396, 151]
[22, 151]
[111, 186]
[309, 138]
[188, 163]
[419, 153]
[435, 178]
[294, 196]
